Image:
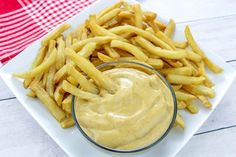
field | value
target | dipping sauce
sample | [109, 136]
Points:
[136, 115]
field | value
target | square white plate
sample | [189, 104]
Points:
[71, 140]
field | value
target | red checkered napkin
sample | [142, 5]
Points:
[31, 20]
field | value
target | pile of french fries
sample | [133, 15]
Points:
[119, 32]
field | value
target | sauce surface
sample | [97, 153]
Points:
[138, 113]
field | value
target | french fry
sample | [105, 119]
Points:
[183, 96]
[56, 33]
[60, 74]
[84, 34]
[83, 82]
[31, 94]
[111, 23]
[108, 9]
[72, 81]
[129, 48]
[176, 87]
[181, 105]
[111, 52]
[50, 82]
[188, 64]
[60, 53]
[67, 122]
[68, 41]
[100, 31]
[37, 61]
[192, 108]
[138, 19]
[212, 66]
[155, 63]
[158, 51]
[208, 82]
[173, 63]
[66, 104]
[108, 16]
[170, 28]
[179, 121]
[205, 101]
[180, 71]
[200, 90]
[201, 68]
[149, 15]
[59, 94]
[193, 56]
[126, 14]
[97, 40]
[48, 102]
[166, 39]
[66, 86]
[181, 79]
[91, 71]
[104, 58]
[161, 25]
[181, 45]
[87, 50]
[140, 32]
[39, 69]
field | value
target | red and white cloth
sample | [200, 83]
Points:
[24, 21]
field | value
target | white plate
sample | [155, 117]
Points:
[71, 140]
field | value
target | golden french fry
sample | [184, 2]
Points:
[66, 86]
[173, 63]
[100, 31]
[155, 63]
[161, 25]
[212, 66]
[108, 16]
[192, 108]
[68, 41]
[180, 71]
[91, 71]
[183, 96]
[188, 64]
[37, 61]
[181, 45]
[48, 102]
[129, 48]
[56, 33]
[60, 74]
[59, 94]
[87, 50]
[84, 34]
[111, 52]
[105, 58]
[179, 121]
[126, 14]
[181, 79]
[200, 90]
[140, 32]
[108, 9]
[98, 40]
[83, 82]
[193, 56]
[138, 19]
[178, 54]
[181, 105]
[67, 122]
[205, 101]
[208, 82]
[176, 87]
[201, 68]
[39, 69]
[72, 80]
[166, 39]
[150, 16]
[50, 82]
[31, 94]
[111, 23]
[170, 28]
[66, 104]
[60, 53]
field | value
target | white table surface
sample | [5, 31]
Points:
[213, 23]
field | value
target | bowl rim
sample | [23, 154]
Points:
[142, 148]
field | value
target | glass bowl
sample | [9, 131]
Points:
[142, 67]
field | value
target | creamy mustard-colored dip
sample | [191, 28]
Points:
[138, 113]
